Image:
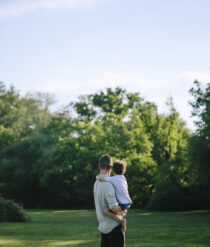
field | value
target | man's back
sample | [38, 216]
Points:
[104, 195]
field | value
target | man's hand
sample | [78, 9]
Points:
[124, 212]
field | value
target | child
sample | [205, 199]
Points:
[121, 190]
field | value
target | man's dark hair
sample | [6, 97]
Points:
[119, 167]
[105, 162]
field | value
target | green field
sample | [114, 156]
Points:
[79, 228]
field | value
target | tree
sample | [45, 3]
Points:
[52, 162]
[9, 105]
[33, 113]
[21, 165]
[199, 149]
[170, 152]
[24, 115]
[7, 136]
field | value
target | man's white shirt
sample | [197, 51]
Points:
[104, 196]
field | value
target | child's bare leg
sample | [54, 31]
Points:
[112, 215]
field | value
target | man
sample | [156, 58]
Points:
[104, 196]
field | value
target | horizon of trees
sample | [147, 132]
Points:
[49, 159]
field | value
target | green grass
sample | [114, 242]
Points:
[79, 228]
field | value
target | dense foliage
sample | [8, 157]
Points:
[49, 159]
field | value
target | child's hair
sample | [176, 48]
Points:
[119, 167]
[105, 162]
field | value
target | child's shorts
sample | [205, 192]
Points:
[125, 206]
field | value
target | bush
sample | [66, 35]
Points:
[11, 211]
[166, 199]
[174, 198]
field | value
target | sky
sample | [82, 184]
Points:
[77, 47]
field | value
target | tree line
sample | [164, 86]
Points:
[48, 159]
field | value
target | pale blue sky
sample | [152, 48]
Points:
[74, 47]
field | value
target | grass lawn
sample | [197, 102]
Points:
[79, 228]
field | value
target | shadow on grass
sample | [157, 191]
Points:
[44, 243]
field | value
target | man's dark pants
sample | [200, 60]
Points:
[113, 239]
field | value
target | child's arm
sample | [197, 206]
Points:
[101, 179]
